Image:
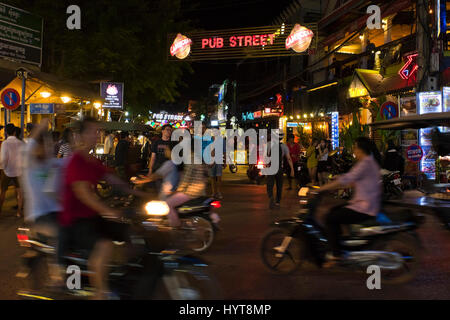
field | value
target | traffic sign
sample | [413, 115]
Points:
[389, 110]
[10, 98]
[414, 153]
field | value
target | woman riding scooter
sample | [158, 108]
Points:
[365, 204]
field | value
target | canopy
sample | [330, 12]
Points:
[118, 126]
[437, 119]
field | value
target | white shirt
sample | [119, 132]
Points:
[11, 156]
[34, 178]
[109, 144]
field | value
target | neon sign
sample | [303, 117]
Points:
[299, 39]
[410, 67]
[181, 46]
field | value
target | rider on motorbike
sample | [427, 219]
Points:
[365, 204]
[86, 222]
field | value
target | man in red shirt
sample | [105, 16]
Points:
[86, 221]
[294, 150]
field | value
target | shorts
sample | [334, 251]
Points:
[216, 170]
[7, 181]
[85, 233]
[322, 166]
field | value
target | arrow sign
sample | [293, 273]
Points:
[410, 67]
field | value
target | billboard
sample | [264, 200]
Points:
[20, 35]
[112, 92]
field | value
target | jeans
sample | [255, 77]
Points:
[271, 180]
[333, 221]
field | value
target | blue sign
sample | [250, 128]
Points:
[247, 116]
[42, 108]
[389, 110]
[10, 98]
[335, 130]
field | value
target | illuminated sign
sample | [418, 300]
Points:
[446, 98]
[258, 42]
[257, 114]
[296, 124]
[429, 102]
[166, 116]
[335, 130]
[181, 46]
[299, 39]
[112, 92]
[410, 67]
[247, 116]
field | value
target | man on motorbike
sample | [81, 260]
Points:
[365, 204]
[87, 223]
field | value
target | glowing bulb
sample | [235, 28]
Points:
[97, 105]
[305, 116]
[312, 115]
[298, 117]
[45, 94]
[66, 99]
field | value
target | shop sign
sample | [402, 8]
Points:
[59, 108]
[335, 130]
[41, 108]
[112, 92]
[181, 46]
[410, 67]
[429, 102]
[247, 116]
[414, 153]
[296, 124]
[299, 39]
[257, 114]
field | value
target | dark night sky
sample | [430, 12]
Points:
[225, 14]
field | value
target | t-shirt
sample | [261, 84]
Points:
[79, 169]
[35, 175]
[294, 151]
[121, 153]
[65, 150]
[158, 148]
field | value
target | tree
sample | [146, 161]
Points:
[124, 41]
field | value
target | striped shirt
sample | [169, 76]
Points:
[194, 180]
[65, 150]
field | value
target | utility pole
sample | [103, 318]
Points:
[423, 45]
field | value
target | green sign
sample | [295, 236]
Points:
[20, 35]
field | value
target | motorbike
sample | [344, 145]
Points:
[392, 183]
[391, 244]
[254, 172]
[148, 269]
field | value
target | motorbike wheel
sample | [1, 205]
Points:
[407, 246]
[199, 233]
[290, 261]
[233, 168]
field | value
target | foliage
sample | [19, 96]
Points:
[124, 41]
[349, 133]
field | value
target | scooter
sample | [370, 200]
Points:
[254, 172]
[391, 245]
[150, 269]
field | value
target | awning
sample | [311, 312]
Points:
[437, 119]
[115, 126]
[377, 85]
[39, 82]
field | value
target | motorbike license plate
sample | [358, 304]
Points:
[299, 168]
[397, 182]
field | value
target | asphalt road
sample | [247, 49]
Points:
[234, 257]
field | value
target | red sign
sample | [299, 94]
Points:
[414, 153]
[181, 46]
[257, 114]
[410, 67]
[299, 39]
[10, 99]
[389, 110]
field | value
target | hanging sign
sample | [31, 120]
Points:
[299, 39]
[181, 46]
[410, 67]
[112, 92]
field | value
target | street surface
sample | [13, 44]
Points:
[235, 260]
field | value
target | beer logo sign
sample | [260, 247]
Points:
[181, 46]
[299, 39]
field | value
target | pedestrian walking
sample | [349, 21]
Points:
[294, 152]
[10, 159]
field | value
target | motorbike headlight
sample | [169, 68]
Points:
[157, 208]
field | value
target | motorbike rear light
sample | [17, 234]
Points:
[22, 237]
[260, 165]
[216, 204]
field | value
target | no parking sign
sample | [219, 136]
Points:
[389, 110]
[10, 98]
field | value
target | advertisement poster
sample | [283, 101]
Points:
[112, 92]
[446, 99]
[408, 106]
[429, 102]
